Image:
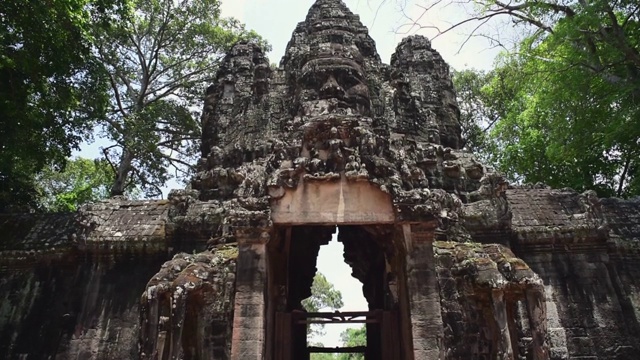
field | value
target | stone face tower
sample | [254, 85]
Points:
[334, 137]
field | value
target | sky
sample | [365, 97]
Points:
[386, 20]
[331, 264]
[275, 20]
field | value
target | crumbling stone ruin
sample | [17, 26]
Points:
[455, 263]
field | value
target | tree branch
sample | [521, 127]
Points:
[105, 151]
[623, 176]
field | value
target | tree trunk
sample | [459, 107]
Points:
[623, 176]
[122, 173]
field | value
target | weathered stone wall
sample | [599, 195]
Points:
[489, 301]
[92, 284]
[80, 306]
[70, 284]
[491, 272]
[187, 307]
[586, 252]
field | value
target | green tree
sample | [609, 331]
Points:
[568, 93]
[478, 111]
[81, 182]
[323, 296]
[323, 357]
[353, 337]
[46, 69]
[157, 63]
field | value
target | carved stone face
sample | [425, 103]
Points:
[333, 82]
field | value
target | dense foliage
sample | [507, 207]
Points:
[82, 181]
[570, 117]
[478, 111]
[133, 69]
[46, 68]
[563, 106]
[351, 337]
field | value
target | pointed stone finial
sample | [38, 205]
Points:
[330, 27]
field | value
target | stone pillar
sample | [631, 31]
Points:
[536, 307]
[499, 306]
[424, 292]
[247, 342]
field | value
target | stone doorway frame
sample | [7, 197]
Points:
[336, 203]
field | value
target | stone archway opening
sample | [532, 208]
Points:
[331, 270]
[374, 257]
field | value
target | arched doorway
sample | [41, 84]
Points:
[375, 257]
[393, 255]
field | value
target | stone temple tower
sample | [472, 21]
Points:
[335, 138]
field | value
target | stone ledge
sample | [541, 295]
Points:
[112, 225]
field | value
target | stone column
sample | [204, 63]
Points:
[499, 306]
[536, 307]
[247, 342]
[424, 293]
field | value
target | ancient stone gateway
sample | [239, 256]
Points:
[455, 263]
[376, 249]
[334, 137]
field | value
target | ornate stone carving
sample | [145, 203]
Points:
[333, 110]
[330, 117]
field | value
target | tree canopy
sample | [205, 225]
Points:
[82, 181]
[478, 110]
[157, 62]
[562, 106]
[46, 68]
[323, 296]
[133, 69]
[351, 337]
